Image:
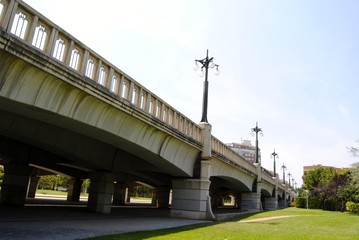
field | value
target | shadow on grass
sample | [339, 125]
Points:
[163, 232]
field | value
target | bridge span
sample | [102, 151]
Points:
[66, 109]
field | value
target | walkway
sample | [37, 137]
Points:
[37, 222]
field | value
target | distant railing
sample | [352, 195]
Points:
[20, 20]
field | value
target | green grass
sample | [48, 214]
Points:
[302, 224]
[55, 192]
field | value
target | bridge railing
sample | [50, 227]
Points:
[19, 19]
[29, 26]
[228, 153]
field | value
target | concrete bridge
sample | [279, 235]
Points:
[66, 109]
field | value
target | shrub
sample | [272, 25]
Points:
[292, 204]
[301, 202]
[352, 207]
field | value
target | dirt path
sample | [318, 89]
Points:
[264, 219]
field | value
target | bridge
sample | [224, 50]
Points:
[67, 110]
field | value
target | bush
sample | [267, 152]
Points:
[292, 204]
[352, 207]
[314, 203]
[301, 202]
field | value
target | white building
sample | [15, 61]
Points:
[245, 149]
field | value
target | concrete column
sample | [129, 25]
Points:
[154, 197]
[190, 197]
[34, 181]
[163, 195]
[74, 190]
[207, 138]
[119, 194]
[101, 190]
[271, 203]
[251, 201]
[15, 183]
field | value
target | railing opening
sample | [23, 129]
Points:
[114, 84]
[19, 25]
[75, 57]
[124, 90]
[1, 8]
[102, 76]
[134, 97]
[89, 68]
[59, 49]
[39, 37]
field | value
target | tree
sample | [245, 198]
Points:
[354, 150]
[351, 191]
[313, 178]
[1, 174]
[326, 188]
[52, 182]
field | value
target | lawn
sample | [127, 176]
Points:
[290, 223]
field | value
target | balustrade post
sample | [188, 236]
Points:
[9, 16]
[31, 31]
[68, 55]
[109, 79]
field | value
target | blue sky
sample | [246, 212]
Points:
[290, 65]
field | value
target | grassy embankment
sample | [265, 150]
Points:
[290, 223]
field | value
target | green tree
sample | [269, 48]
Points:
[354, 151]
[325, 188]
[1, 174]
[351, 191]
[52, 182]
[320, 176]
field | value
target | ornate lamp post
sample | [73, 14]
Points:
[293, 183]
[284, 168]
[289, 174]
[257, 130]
[274, 155]
[206, 63]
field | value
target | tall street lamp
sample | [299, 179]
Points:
[206, 63]
[289, 174]
[284, 168]
[274, 155]
[293, 183]
[257, 130]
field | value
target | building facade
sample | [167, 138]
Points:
[245, 149]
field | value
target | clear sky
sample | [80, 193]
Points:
[290, 65]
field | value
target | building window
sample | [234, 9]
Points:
[19, 26]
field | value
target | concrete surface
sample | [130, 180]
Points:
[54, 220]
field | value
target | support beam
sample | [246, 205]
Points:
[101, 190]
[74, 190]
[251, 201]
[15, 183]
[190, 197]
[271, 203]
[119, 194]
[34, 182]
[163, 194]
